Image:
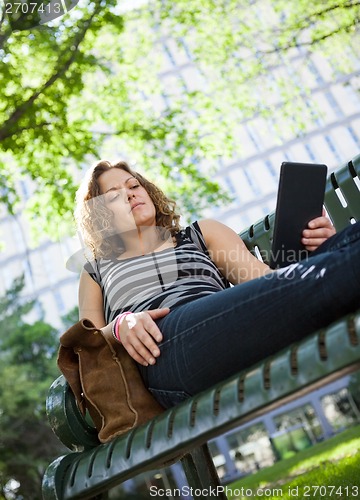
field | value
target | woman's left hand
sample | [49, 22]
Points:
[318, 231]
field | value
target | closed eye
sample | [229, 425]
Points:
[114, 195]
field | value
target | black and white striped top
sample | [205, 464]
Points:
[166, 278]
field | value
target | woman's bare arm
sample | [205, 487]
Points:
[229, 253]
[234, 260]
[138, 336]
[91, 300]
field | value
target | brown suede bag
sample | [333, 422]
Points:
[105, 381]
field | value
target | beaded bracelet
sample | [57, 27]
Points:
[116, 325]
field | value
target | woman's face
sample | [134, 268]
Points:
[127, 199]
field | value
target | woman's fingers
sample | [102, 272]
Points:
[150, 324]
[139, 333]
[318, 231]
[139, 352]
[312, 245]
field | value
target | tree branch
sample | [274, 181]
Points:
[23, 129]
[7, 127]
[323, 12]
[295, 42]
[2, 17]
[7, 30]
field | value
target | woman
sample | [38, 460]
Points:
[166, 295]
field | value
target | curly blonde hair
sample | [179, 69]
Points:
[94, 219]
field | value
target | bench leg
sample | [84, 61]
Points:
[201, 474]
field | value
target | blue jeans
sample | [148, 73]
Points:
[211, 338]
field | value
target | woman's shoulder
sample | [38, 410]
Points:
[202, 225]
[209, 227]
[91, 268]
[215, 232]
[197, 232]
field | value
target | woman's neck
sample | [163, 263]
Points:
[143, 240]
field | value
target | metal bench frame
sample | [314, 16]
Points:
[92, 469]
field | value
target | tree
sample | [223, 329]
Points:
[27, 368]
[86, 85]
[71, 317]
[246, 50]
[66, 88]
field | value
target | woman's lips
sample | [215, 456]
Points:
[136, 206]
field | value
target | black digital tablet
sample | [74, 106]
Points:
[300, 199]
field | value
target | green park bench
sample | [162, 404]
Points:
[91, 469]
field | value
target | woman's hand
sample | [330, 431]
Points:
[318, 231]
[138, 333]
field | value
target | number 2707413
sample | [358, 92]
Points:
[32, 8]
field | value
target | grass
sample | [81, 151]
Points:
[327, 470]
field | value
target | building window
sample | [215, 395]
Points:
[340, 409]
[25, 193]
[271, 169]
[310, 152]
[230, 186]
[169, 55]
[59, 302]
[333, 148]
[333, 103]
[186, 49]
[29, 279]
[18, 235]
[251, 448]
[353, 135]
[296, 430]
[313, 69]
[253, 137]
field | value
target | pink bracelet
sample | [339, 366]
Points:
[116, 325]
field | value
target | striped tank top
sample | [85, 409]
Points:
[167, 278]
